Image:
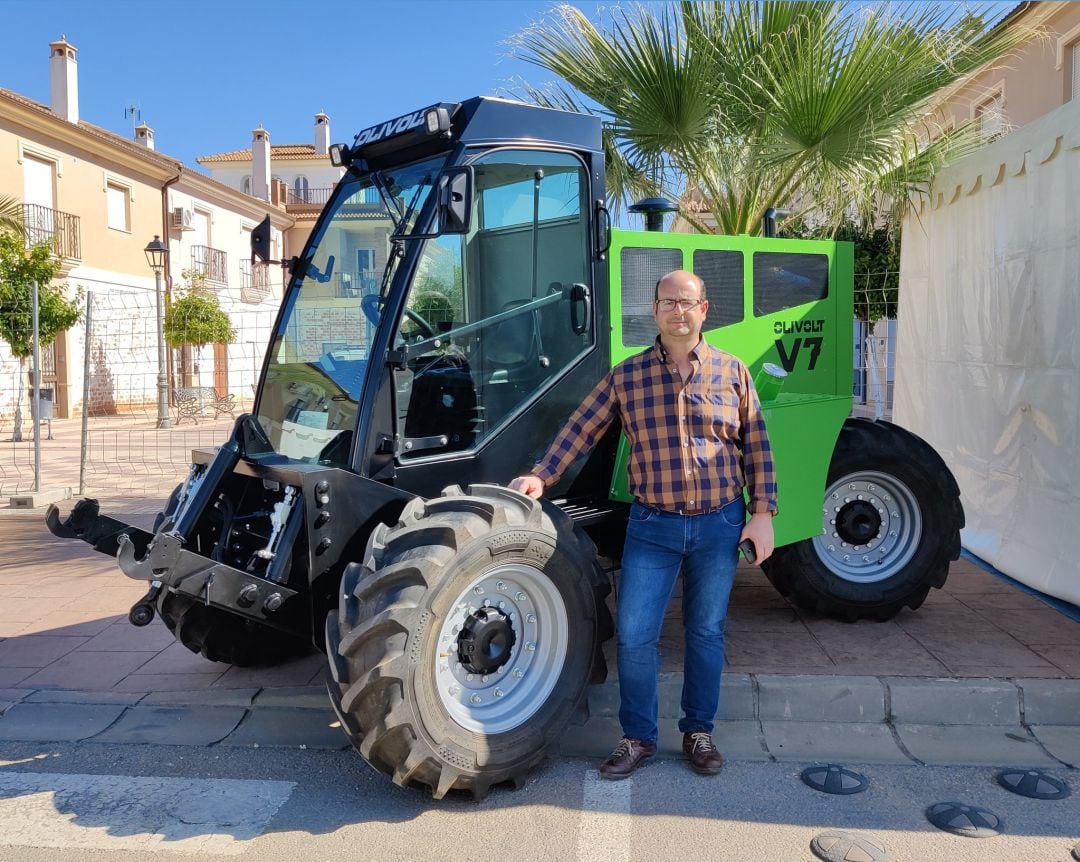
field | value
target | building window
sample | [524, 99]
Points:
[245, 185]
[991, 115]
[116, 202]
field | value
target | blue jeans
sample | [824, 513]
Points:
[658, 544]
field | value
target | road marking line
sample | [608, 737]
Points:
[605, 827]
[120, 812]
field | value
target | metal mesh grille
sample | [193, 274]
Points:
[641, 269]
[784, 280]
[722, 272]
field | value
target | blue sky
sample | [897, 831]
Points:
[204, 74]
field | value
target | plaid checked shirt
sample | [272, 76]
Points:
[693, 445]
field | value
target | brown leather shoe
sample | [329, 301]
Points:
[704, 758]
[628, 755]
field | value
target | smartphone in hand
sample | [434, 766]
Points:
[748, 551]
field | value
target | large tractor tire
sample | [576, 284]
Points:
[464, 642]
[891, 525]
[221, 636]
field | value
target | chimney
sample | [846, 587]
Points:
[260, 164]
[144, 135]
[322, 134]
[64, 78]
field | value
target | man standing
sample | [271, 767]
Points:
[697, 438]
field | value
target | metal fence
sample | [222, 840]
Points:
[110, 364]
[117, 447]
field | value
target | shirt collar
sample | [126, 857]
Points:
[699, 353]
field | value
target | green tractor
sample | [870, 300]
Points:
[360, 507]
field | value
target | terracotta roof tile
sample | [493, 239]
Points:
[278, 152]
[98, 132]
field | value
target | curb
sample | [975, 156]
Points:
[771, 717]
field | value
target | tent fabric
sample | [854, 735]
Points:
[988, 353]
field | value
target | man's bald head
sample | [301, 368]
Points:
[681, 278]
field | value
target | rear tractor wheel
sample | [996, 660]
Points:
[891, 524]
[464, 642]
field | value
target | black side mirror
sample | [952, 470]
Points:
[455, 190]
[260, 241]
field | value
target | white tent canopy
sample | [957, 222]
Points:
[988, 358]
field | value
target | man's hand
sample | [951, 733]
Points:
[759, 530]
[532, 486]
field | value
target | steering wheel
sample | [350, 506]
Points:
[369, 305]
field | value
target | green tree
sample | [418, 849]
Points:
[11, 215]
[194, 317]
[737, 107]
[20, 267]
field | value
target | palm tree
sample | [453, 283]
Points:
[11, 214]
[822, 107]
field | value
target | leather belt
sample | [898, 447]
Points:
[705, 510]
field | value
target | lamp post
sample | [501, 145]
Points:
[157, 255]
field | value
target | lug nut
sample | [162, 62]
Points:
[530, 646]
[518, 673]
[530, 618]
[476, 699]
[521, 596]
[499, 692]
[479, 590]
[500, 585]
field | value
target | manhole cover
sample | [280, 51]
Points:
[967, 820]
[1033, 784]
[834, 779]
[840, 846]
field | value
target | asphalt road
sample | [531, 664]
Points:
[119, 802]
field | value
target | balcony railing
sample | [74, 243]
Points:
[358, 283]
[254, 281]
[59, 229]
[211, 262]
[308, 196]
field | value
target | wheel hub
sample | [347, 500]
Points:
[871, 526]
[486, 641]
[858, 522]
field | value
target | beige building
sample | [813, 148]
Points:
[1028, 82]
[99, 199]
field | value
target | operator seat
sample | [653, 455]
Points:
[514, 361]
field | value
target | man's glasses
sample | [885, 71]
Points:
[681, 304]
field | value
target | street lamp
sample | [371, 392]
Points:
[157, 255]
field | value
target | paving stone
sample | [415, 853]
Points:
[756, 650]
[972, 745]
[12, 676]
[91, 671]
[148, 682]
[70, 624]
[41, 722]
[160, 725]
[66, 696]
[1062, 741]
[203, 697]
[290, 728]
[864, 742]
[293, 673]
[953, 701]
[124, 637]
[37, 650]
[1042, 625]
[1051, 701]
[1064, 657]
[177, 658]
[811, 698]
[301, 697]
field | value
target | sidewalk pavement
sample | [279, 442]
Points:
[983, 673]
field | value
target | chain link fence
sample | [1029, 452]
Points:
[128, 442]
[110, 363]
[874, 343]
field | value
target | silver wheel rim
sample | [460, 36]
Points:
[897, 538]
[510, 695]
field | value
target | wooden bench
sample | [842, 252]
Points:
[191, 402]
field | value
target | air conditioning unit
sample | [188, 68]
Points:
[183, 218]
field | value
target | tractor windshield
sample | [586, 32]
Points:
[319, 352]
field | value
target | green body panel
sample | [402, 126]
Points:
[812, 341]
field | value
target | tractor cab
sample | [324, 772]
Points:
[447, 288]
